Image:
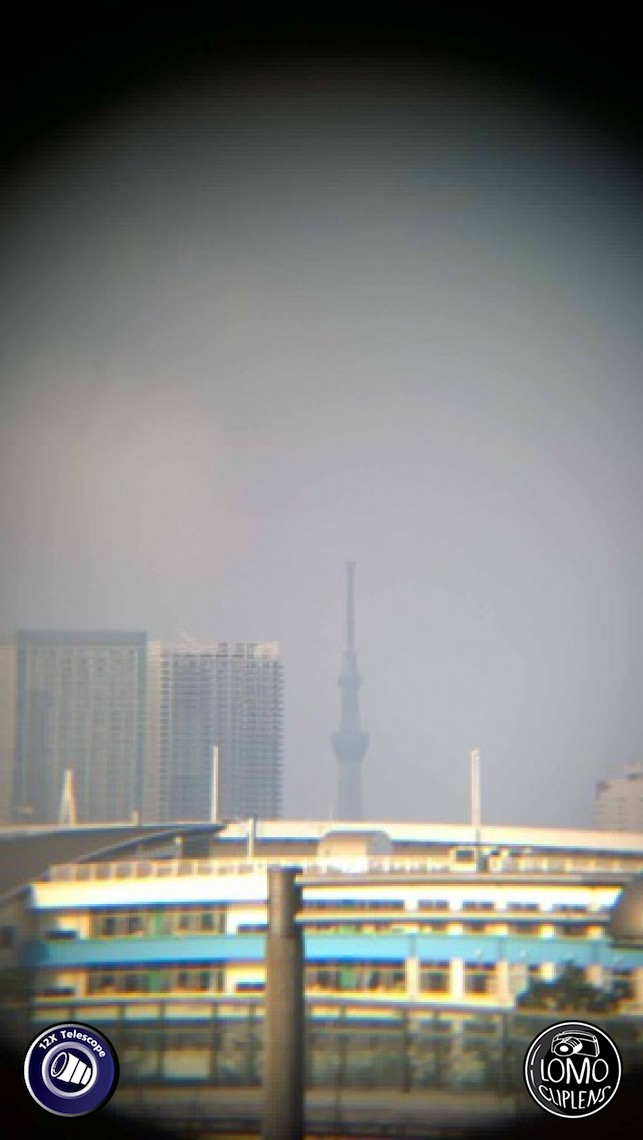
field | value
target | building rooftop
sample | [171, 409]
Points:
[450, 834]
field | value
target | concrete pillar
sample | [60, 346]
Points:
[503, 983]
[594, 974]
[518, 979]
[457, 980]
[284, 1069]
[412, 977]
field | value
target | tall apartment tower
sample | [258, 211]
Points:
[79, 705]
[228, 697]
[349, 742]
[619, 802]
[8, 709]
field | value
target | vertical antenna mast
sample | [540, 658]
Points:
[214, 793]
[349, 742]
[474, 757]
[350, 605]
[67, 810]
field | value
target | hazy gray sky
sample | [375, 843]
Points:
[253, 332]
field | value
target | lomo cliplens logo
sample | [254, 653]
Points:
[572, 1069]
[71, 1069]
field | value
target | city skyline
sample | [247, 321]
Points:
[255, 329]
[322, 360]
[186, 709]
[109, 726]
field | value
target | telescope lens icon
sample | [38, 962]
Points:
[70, 1069]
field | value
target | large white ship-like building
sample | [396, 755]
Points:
[423, 922]
[389, 910]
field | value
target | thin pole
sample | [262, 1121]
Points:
[214, 794]
[475, 796]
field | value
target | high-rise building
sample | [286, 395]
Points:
[619, 802]
[132, 726]
[8, 705]
[79, 701]
[229, 698]
[349, 742]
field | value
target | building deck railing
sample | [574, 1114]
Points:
[611, 870]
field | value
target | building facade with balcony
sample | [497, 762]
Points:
[420, 946]
[432, 923]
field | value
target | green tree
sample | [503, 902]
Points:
[567, 993]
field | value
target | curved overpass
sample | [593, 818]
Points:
[27, 853]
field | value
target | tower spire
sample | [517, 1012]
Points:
[349, 742]
[350, 605]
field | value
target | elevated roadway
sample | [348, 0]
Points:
[26, 852]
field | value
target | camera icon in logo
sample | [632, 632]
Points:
[575, 1044]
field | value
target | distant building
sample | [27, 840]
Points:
[619, 802]
[227, 697]
[74, 701]
[131, 726]
[8, 706]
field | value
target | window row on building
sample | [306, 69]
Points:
[166, 921]
[441, 978]
[157, 922]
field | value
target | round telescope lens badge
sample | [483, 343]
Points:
[71, 1069]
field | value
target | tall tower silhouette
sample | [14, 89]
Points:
[349, 742]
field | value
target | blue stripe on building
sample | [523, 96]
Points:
[352, 948]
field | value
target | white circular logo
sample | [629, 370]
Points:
[572, 1069]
